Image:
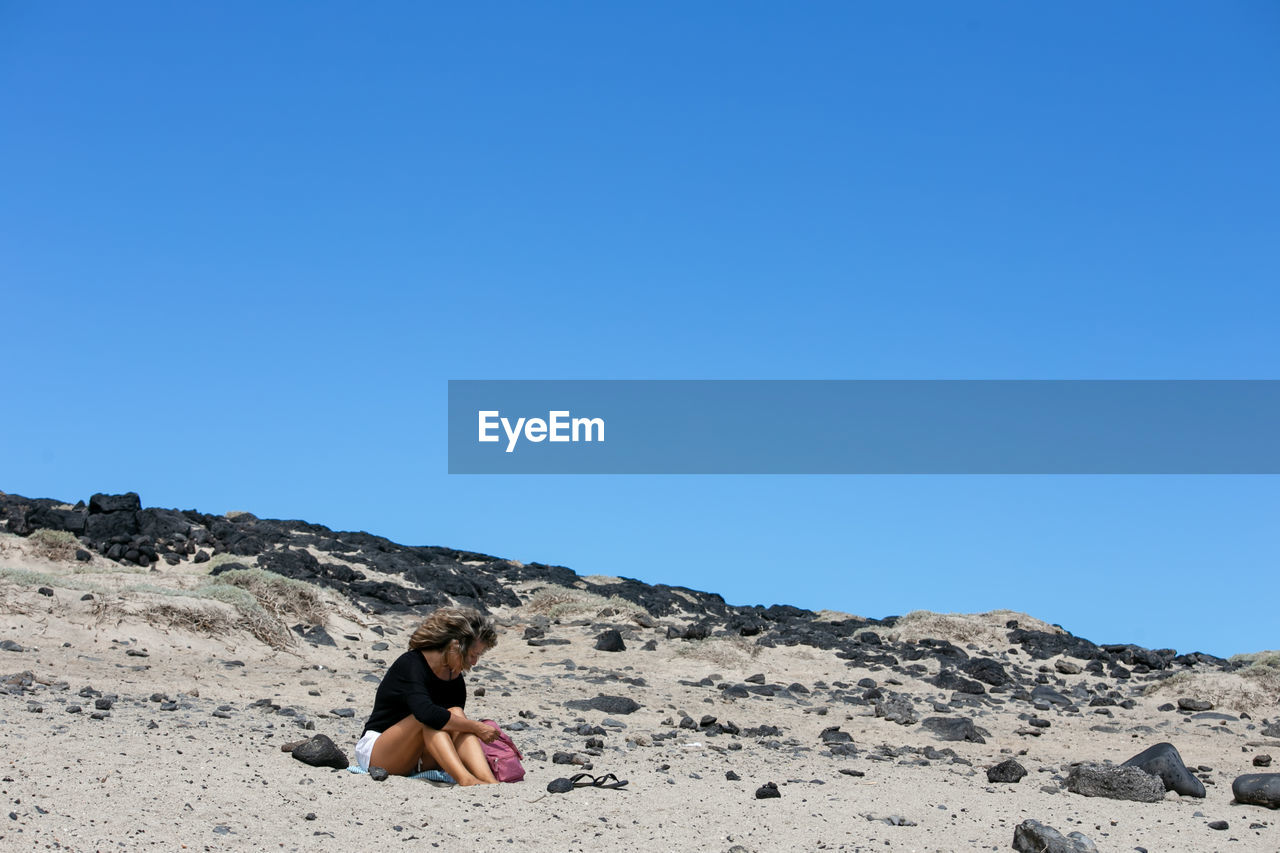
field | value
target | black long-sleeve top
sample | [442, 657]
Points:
[410, 687]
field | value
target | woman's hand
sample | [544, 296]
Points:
[488, 734]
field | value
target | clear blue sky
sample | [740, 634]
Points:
[243, 247]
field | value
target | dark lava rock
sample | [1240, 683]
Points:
[953, 729]
[1218, 824]
[832, 734]
[767, 791]
[11, 646]
[83, 556]
[1042, 646]
[1258, 789]
[987, 671]
[731, 776]
[949, 679]
[1187, 704]
[610, 641]
[378, 774]
[1032, 836]
[44, 590]
[315, 634]
[1006, 771]
[103, 704]
[1044, 693]
[1163, 761]
[1272, 730]
[605, 704]
[1116, 783]
[548, 641]
[897, 709]
[1067, 667]
[320, 751]
[1263, 760]
[128, 502]
[559, 786]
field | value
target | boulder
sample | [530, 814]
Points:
[1116, 783]
[128, 502]
[1032, 836]
[1258, 789]
[1164, 762]
[954, 729]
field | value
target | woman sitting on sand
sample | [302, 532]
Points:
[417, 721]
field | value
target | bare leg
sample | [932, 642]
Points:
[399, 748]
[471, 752]
[442, 753]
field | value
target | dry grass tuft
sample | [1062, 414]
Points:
[726, 652]
[1254, 689]
[986, 629]
[223, 558]
[1269, 658]
[565, 603]
[54, 545]
[285, 598]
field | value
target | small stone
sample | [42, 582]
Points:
[1187, 704]
[605, 704]
[1263, 760]
[559, 786]
[44, 590]
[1006, 771]
[767, 791]
[731, 776]
[610, 641]
[1218, 824]
[103, 704]
[378, 774]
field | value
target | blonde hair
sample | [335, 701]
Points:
[465, 624]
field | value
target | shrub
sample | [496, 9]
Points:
[54, 545]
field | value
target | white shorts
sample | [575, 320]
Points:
[364, 749]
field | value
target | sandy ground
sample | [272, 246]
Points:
[183, 759]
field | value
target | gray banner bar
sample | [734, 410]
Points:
[864, 427]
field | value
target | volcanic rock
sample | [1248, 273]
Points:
[1032, 836]
[1258, 789]
[1163, 761]
[953, 729]
[610, 641]
[320, 751]
[1116, 783]
[1006, 771]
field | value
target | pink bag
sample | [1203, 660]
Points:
[503, 757]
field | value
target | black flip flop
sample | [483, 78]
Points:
[585, 780]
[609, 781]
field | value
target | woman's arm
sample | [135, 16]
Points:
[458, 722]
